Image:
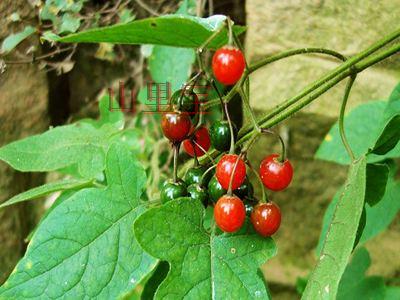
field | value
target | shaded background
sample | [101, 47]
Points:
[32, 99]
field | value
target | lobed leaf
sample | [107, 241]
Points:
[85, 247]
[202, 266]
[340, 237]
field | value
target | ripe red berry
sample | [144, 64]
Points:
[229, 213]
[228, 64]
[266, 218]
[202, 138]
[225, 168]
[274, 174]
[176, 125]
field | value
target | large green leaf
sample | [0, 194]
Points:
[77, 144]
[378, 215]
[62, 185]
[364, 125]
[354, 283]
[169, 30]
[13, 40]
[202, 266]
[85, 248]
[340, 237]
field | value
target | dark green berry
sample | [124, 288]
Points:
[198, 193]
[249, 204]
[220, 135]
[171, 191]
[215, 189]
[193, 175]
[249, 209]
[185, 101]
[246, 190]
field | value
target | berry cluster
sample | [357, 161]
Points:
[228, 189]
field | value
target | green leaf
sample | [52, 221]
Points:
[62, 185]
[77, 144]
[377, 177]
[378, 216]
[110, 112]
[392, 293]
[354, 283]
[169, 30]
[69, 24]
[202, 266]
[340, 237]
[85, 248]
[13, 40]
[64, 196]
[172, 65]
[363, 125]
[389, 137]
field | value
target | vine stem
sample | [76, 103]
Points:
[229, 191]
[341, 117]
[248, 108]
[264, 198]
[204, 151]
[176, 151]
[356, 64]
[317, 91]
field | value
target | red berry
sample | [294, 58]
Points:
[202, 138]
[225, 168]
[228, 64]
[176, 126]
[275, 175]
[266, 218]
[229, 213]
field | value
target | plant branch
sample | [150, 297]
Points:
[341, 117]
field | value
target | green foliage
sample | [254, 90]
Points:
[202, 265]
[77, 144]
[362, 127]
[371, 125]
[378, 215]
[63, 14]
[192, 33]
[377, 177]
[354, 283]
[62, 185]
[85, 248]
[340, 236]
[11, 41]
[172, 64]
[389, 137]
